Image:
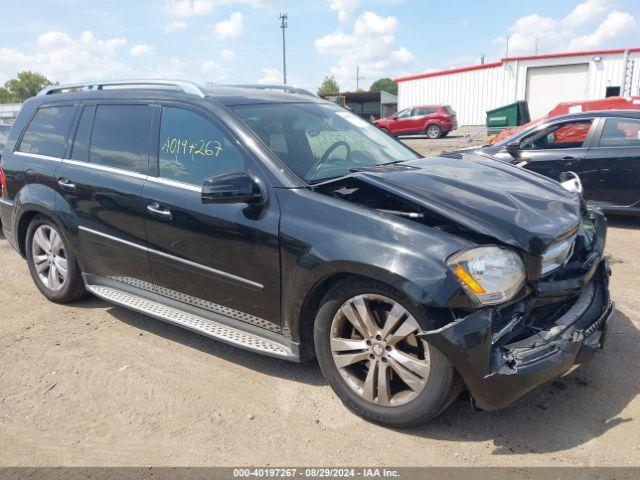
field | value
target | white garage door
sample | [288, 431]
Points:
[548, 86]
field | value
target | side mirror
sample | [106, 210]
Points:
[232, 187]
[514, 150]
[394, 117]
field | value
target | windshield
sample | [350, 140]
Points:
[321, 141]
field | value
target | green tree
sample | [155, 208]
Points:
[384, 85]
[6, 96]
[26, 85]
[328, 86]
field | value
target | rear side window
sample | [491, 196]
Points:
[192, 148]
[621, 132]
[47, 132]
[120, 137]
[419, 112]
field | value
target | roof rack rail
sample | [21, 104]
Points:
[269, 86]
[186, 87]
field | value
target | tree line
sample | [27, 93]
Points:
[330, 86]
[25, 85]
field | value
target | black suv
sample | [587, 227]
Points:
[286, 225]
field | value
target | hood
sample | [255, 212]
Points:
[490, 197]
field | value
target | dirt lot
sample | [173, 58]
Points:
[95, 385]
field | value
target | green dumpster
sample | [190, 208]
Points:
[507, 116]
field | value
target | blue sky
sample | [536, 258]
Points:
[239, 41]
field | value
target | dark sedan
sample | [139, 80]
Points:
[602, 147]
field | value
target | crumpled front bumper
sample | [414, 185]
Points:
[499, 373]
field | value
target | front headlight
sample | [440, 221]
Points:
[490, 275]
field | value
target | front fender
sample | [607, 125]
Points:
[322, 236]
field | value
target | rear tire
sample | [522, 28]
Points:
[433, 132]
[52, 264]
[374, 387]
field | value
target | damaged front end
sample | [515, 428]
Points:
[552, 309]
[505, 352]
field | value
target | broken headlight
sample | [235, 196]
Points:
[490, 275]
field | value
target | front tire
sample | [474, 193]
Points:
[52, 265]
[367, 348]
[433, 132]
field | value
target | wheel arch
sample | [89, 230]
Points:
[37, 199]
[313, 298]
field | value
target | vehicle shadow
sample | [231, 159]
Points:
[308, 373]
[623, 221]
[558, 416]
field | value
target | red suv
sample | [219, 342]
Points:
[432, 120]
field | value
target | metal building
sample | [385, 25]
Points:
[366, 104]
[542, 80]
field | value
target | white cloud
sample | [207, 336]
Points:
[586, 26]
[140, 50]
[54, 39]
[227, 54]
[615, 25]
[586, 12]
[271, 75]
[371, 46]
[191, 8]
[61, 57]
[215, 72]
[345, 8]
[370, 23]
[231, 28]
[175, 26]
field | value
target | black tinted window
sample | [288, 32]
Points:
[192, 148]
[621, 132]
[47, 132]
[80, 149]
[424, 111]
[120, 137]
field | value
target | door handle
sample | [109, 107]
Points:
[568, 160]
[159, 211]
[66, 185]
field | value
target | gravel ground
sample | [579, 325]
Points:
[91, 384]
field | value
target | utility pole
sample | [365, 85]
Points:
[358, 77]
[283, 25]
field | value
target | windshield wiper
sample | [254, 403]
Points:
[373, 167]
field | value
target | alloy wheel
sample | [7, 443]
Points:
[433, 131]
[49, 257]
[377, 352]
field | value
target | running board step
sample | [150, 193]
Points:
[204, 326]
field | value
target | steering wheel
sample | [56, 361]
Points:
[329, 151]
